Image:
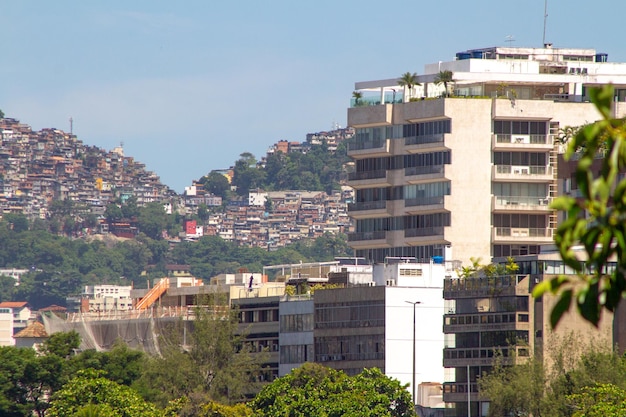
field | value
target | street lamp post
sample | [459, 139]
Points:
[415, 303]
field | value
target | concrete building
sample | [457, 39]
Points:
[383, 325]
[108, 297]
[473, 168]
[498, 313]
[6, 327]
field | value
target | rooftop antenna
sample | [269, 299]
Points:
[545, 21]
[509, 39]
[71, 126]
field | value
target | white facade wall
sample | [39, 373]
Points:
[6, 327]
[429, 340]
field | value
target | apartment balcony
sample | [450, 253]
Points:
[424, 174]
[369, 179]
[512, 142]
[424, 235]
[368, 240]
[516, 204]
[521, 173]
[537, 235]
[369, 209]
[424, 205]
[417, 144]
[482, 356]
[372, 148]
[486, 287]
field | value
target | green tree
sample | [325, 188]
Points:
[444, 77]
[357, 96]
[217, 184]
[1, 114]
[592, 222]
[89, 387]
[17, 222]
[113, 212]
[213, 409]
[313, 390]
[514, 390]
[152, 220]
[602, 400]
[408, 80]
[7, 288]
[203, 212]
[215, 364]
[130, 208]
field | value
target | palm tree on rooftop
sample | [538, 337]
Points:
[357, 96]
[444, 77]
[408, 81]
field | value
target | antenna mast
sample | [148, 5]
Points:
[545, 21]
[71, 126]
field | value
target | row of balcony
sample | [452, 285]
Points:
[492, 321]
[392, 238]
[457, 357]
[417, 236]
[390, 208]
[421, 205]
[424, 174]
[414, 144]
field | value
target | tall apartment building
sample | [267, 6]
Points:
[475, 168]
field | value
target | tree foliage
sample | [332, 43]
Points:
[444, 77]
[539, 387]
[314, 390]
[602, 400]
[215, 364]
[90, 387]
[592, 221]
[408, 80]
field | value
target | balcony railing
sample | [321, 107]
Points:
[523, 232]
[426, 201]
[367, 144]
[453, 357]
[423, 139]
[523, 170]
[359, 236]
[528, 139]
[485, 286]
[424, 231]
[367, 175]
[513, 202]
[424, 170]
[367, 205]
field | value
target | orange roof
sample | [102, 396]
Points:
[13, 304]
[35, 329]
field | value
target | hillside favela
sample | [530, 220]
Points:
[456, 250]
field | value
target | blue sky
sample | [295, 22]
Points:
[188, 86]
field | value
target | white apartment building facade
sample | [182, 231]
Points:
[475, 168]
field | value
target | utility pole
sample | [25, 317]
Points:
[415, 303]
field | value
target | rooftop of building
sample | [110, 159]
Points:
[515, 65]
